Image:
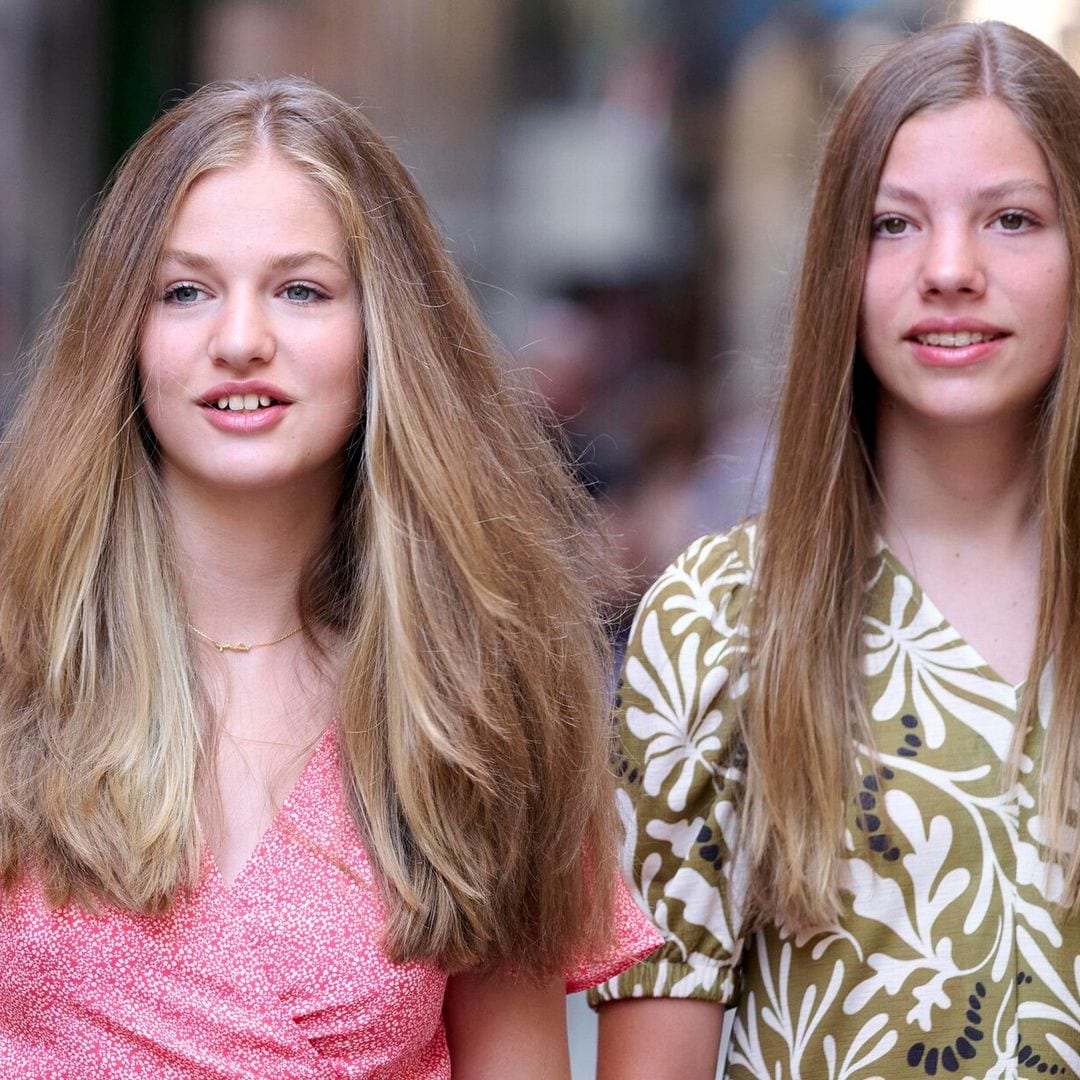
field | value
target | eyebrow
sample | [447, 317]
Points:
[289, 261]
[993, 193]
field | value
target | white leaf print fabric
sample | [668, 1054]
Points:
[951, 959]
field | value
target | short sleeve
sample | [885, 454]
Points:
[634, 938]
[681, 770]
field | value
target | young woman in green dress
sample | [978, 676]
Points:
[852, 728]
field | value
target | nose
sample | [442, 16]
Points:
[952, 263]
[242, 334]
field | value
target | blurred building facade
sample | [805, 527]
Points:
[624, 182]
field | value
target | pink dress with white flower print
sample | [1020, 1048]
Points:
[279, 976]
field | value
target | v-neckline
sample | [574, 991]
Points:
[211, 870]
[897, 566]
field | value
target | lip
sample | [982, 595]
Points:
[244, 422]
[945, 356]
[953, 325]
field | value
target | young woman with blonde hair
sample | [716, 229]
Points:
[302, 716]
[852, 728]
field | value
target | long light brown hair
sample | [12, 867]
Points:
[462, 573]
[806, 708]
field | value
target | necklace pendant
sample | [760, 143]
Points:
[242, 646]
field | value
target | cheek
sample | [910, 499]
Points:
[1051, 301]
[153, 354]
[341, 372]
[152, 383]
[870, 326]
[158, 388]
[346, 408]
[877, 301]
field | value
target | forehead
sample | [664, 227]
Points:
[265, 198]
[980, 143]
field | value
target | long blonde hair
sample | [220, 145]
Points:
[462, 572]
[806, 708]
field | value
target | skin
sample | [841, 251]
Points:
[255, 288]
[659, 1039]
[504, 1027]
[966, 227]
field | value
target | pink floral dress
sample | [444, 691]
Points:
[279, 976]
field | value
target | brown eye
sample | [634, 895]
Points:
[1012, 220]
[892, 226]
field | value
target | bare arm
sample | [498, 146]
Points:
[659, 1039]
[500, 1028]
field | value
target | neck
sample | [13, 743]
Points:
[243, 553]
[955, 484]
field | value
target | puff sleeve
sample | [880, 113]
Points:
[680, 771]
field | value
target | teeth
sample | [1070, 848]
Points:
[243, 402]
[954, 341]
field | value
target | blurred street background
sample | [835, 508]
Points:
[625, 184]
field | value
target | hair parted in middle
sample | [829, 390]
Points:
[463, 572]
[806, 710]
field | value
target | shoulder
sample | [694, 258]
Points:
[683, 673]
[681, 768]
[702, 592]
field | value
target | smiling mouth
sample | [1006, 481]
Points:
[958, 340]
[243, 403]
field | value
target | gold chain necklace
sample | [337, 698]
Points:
[243, 646]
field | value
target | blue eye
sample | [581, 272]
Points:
[183, 294]
[302, 293]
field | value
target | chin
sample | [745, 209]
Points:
[236, 481]
[974, 418]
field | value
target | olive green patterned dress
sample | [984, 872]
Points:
[950, 958]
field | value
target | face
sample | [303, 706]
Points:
[966, 294]
[249, 359]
